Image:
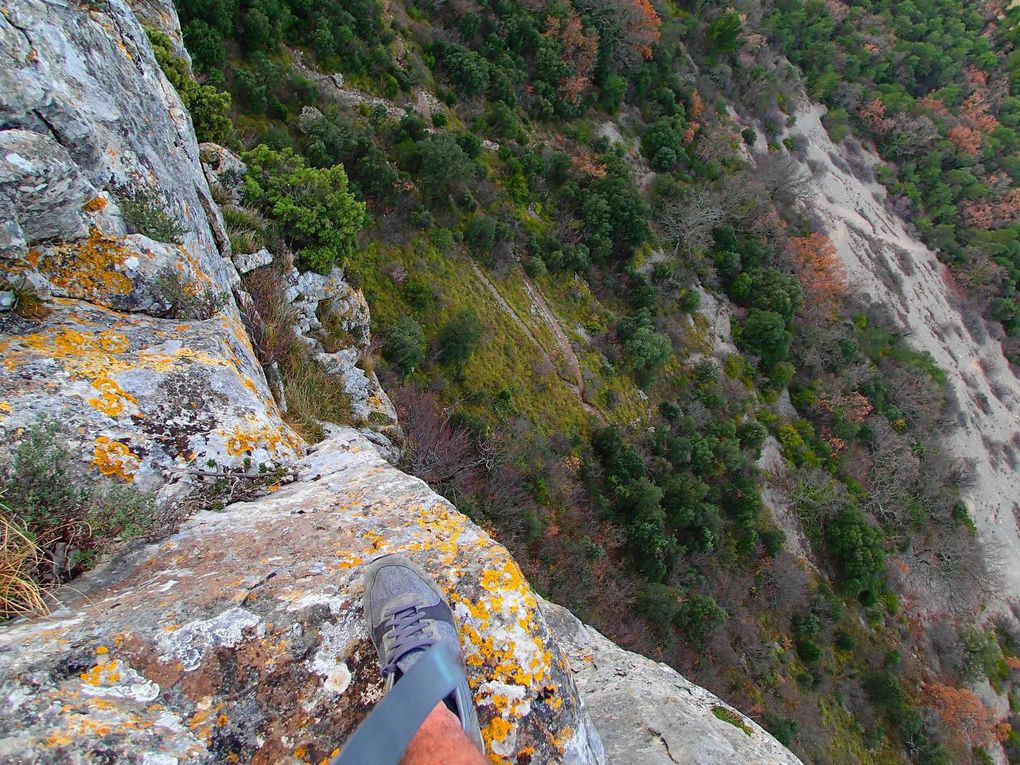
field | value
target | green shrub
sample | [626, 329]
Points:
[646, 350]
[405, 345]
[312, 207]
[55, 506]
[855, 545]
[764, 334]
[699, 616]
[181, 301]
[146, 213]
[468, 71]
[459, 338]
[209, 108]
[442, 166]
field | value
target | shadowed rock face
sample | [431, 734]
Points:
[243, 634]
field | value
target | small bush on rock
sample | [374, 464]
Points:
[312, 207]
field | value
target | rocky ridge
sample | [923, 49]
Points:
[240, 636]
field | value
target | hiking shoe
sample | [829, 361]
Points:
[406, 615]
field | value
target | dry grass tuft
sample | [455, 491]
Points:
[20, 593]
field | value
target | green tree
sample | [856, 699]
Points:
[764, 334]
[312, 207]
[459, 338]
[723, 34]
[442, 166]
[854, 544]
[468, 71]
[699, 616]
[405, 345]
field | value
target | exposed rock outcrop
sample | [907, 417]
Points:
[890, 266]
[242, 634]
[93, 124]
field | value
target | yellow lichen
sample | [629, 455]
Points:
[94, 205]
[114, 458]
[89, 270]
[112, 397]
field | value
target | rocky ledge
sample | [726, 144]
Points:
[241, 638]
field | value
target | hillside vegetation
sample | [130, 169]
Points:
[552, 209]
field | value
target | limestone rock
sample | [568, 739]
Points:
[330, 296]
[647, 713]
[162, 16]
[224, 171]
[147, 400]
[86, 78]
[251, 260]
[40, 175]
[242, 635]
[127, 273]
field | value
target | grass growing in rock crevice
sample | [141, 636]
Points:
[54, 524]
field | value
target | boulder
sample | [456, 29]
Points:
[241, 637]
[317, 298]
[224, 171]
[249, 261]
[150, 401]
[647, 713]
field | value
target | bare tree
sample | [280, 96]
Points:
[688, 222]
[437, 451]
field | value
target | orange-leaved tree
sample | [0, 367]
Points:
[966, 717]
[579, 50]
[821, 274]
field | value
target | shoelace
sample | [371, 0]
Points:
[408, 634]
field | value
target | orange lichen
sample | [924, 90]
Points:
[94, 205]
[114, 458]
[243, 440]
[112, 398]
[88, 270]
[105, 673]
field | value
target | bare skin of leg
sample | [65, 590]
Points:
[441, 741]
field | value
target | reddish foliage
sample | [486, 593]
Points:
[437, 450]
[873, 115]
[933, 104]
[579, 51]
[640, 25]
[967, 139]
[964, 714]
[992, 213]
[821, 273]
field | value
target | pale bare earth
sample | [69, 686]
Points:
[885, 262]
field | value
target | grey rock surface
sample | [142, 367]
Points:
[86, 78]
[249, 261]
[242, 635]
[224, 171]
[149, 401]
[647, 713]
[91, 121]
[316, 295]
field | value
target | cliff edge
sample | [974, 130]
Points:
[239, 637]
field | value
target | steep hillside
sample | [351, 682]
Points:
[887, 264]
[643, 312]
[136, 401]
